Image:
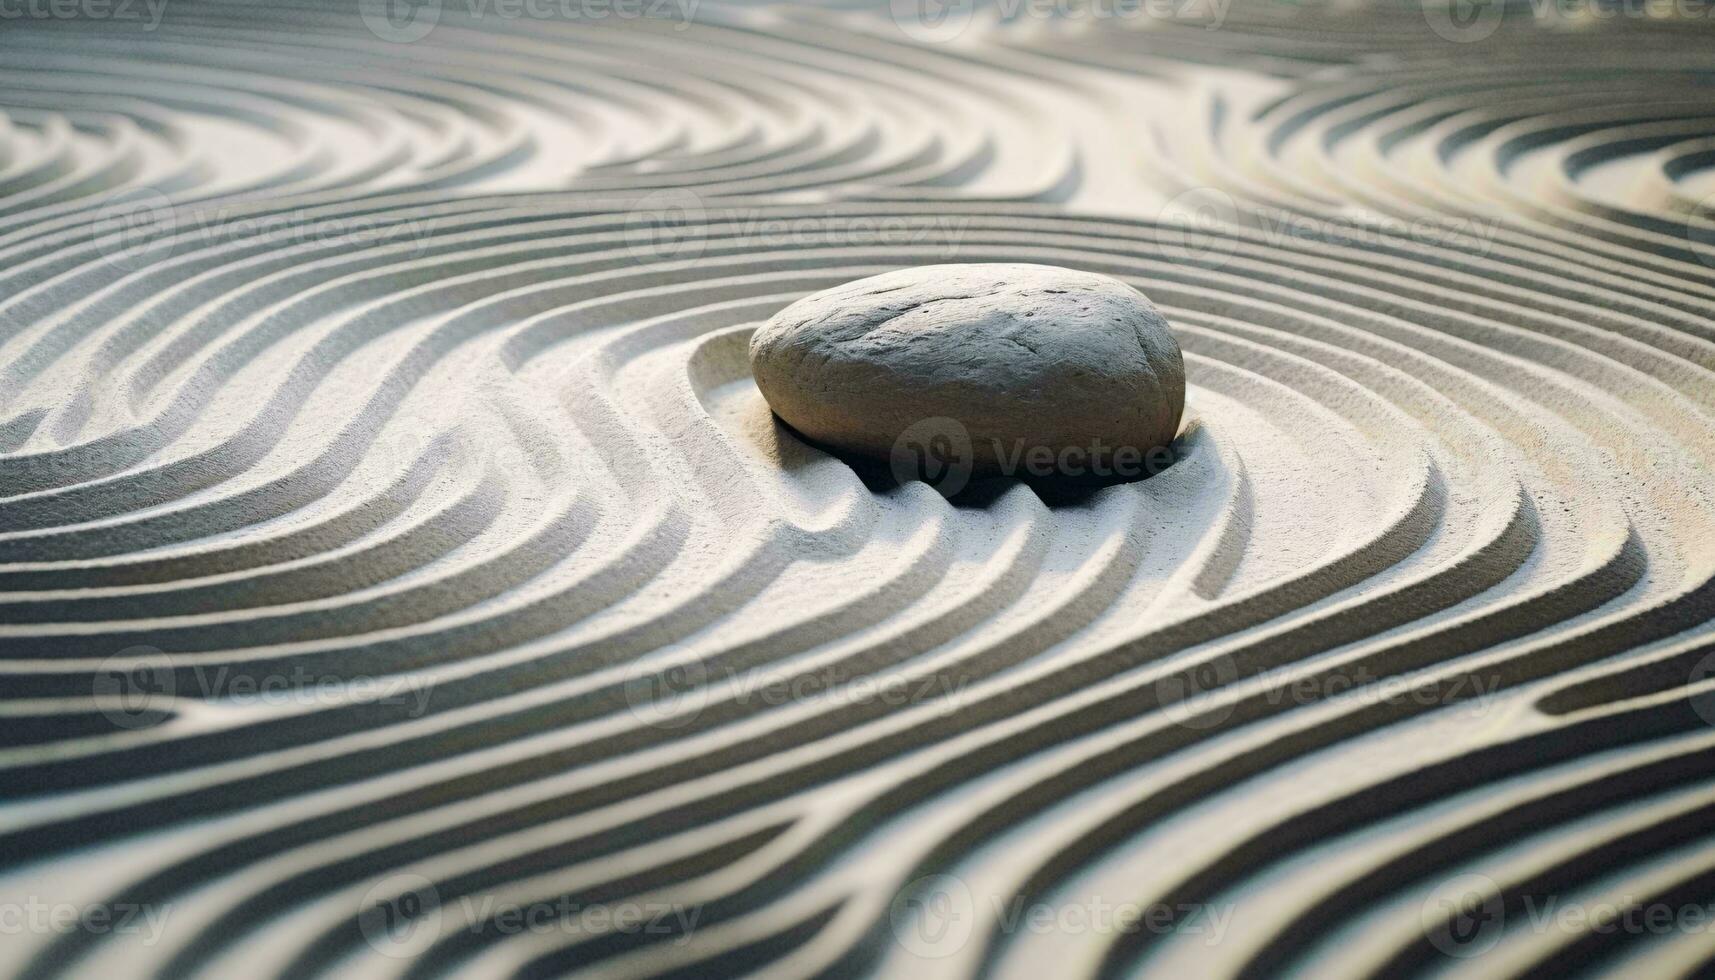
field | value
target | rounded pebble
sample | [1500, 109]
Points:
[1021, 370]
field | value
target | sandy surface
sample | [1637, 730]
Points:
[400, 574]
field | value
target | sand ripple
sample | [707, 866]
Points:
[390, 529]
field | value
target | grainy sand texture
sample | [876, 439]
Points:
[402, 576]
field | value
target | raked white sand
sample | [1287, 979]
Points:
[400, 574]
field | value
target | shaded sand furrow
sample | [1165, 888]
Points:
[386, 511]
[1513, 767]
[1486, 823]
[1485, 232]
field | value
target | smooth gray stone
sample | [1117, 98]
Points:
[1027, 370]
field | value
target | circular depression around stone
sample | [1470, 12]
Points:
[1024, 370]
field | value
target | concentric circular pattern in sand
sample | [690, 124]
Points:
[396, 570]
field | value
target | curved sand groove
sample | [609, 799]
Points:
[563, 616]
